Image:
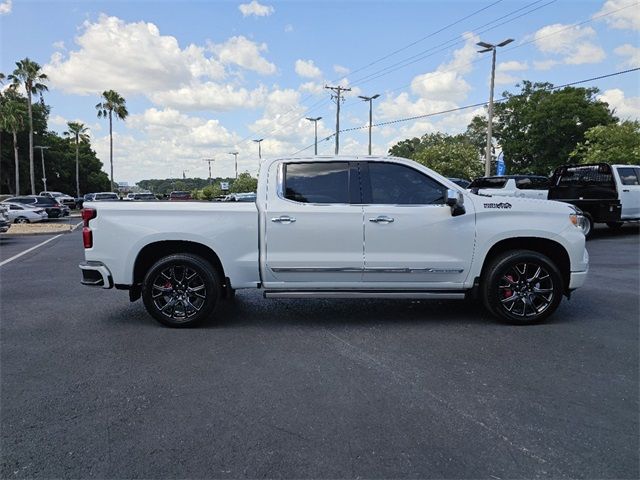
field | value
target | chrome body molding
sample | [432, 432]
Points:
[364, 270]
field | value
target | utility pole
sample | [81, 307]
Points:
[337, 96]
[370, 100]
[488, 47]
[44, 174]
[315, 121]
[235, 155]
[259, 141]
[184, 177]
[209, 161]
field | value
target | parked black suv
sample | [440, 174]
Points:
[51, 206]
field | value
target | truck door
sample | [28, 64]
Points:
[629, 191]
[410, 235]
[313, 230]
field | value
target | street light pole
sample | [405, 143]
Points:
[259, 141]
[488, 47]
[370, 100]
[315, 122]
[209, 161]
[44, 174]
[235, 155]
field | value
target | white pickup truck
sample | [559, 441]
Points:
[339, 227]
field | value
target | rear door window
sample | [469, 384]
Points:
[317, 182]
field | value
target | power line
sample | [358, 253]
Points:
[475, 105]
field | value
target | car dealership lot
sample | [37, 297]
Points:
[92, 386]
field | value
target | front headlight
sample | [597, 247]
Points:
[577, 218]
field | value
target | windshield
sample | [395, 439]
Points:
[488, 182]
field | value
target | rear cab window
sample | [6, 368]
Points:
[490, 182]
[532, 183]
[629, 175]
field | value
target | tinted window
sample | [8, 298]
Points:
[588, 175]
[488, 182]
[106, 196]
[326, 182]
[628, 176]
[394, 184]
[532, 183]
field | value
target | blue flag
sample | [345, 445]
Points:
[501, 167]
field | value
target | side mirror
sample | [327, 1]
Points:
[455, 200]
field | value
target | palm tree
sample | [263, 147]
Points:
[28, 74]
[78, 132]
[12, 114]
[113, 104]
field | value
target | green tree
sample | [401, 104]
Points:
[477, 134]
[450, 156]
[78, 133]
[112, 104]
[614, 143]
[244, 183]
[211, 191]
[539, 127]
[28, 74]
[405, 148]
[12, 113]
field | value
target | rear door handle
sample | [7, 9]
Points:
[283, 219]
[382, 219]
[625, 190]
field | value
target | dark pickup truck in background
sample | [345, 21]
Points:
[605, 193]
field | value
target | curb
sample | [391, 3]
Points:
[36, 234]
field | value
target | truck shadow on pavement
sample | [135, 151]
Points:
[626, 230]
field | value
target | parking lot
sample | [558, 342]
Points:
[91, 386]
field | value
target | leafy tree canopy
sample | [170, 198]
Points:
[539, 127]
[614, 143]
[244, 183]
[451, 156]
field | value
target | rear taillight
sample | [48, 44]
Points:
[87, 234]
[87, 237]
[88, 214]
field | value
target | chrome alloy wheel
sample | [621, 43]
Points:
[525, 289]
[178, 292]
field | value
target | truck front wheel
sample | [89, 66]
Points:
[522, 287]
[181, 290]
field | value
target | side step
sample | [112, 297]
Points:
[432, 294]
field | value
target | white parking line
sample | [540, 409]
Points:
[11, 259]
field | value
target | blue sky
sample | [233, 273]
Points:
[203, 78]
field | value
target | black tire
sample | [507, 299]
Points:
[522, 287]
[21, 220]
[181, 290]
[614, 225]
[587, 225]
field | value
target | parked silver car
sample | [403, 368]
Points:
[20, 213]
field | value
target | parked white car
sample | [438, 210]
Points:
[339, 227]
[525, 186]
[19, 213]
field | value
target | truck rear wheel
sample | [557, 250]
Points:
[181, 290]
[522, 287]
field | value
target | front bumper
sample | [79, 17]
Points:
[96, 274]
[577, 279]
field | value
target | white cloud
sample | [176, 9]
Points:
[340, 70]
[626, 16]
[256, 9]
[288, 28]
[503, 76]
[5, 7]
[574, 43]
[545, 64]
[59, 45]
[630, 51]
[244, 53]
[209, 96]
[626, 108]
[129, 58]
[307, 69]
[312, 88]
[441, 85]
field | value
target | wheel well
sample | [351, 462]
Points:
[153, 252]
[554, 250]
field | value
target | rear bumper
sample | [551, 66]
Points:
[95, 274]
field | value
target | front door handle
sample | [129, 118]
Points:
[283, 219]
[382, 219]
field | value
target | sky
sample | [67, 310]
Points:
[203, 78]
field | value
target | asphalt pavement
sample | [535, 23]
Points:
[91, 386]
